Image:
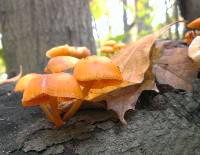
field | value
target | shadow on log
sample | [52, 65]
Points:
[174, 129]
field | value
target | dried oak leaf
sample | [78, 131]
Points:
[175, 68]
[120, 97]
[13, 79]
[135, 62]
[126, 99]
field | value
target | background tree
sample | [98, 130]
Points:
[30, 27]
[189, 9]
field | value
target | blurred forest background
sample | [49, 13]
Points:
[28, 28]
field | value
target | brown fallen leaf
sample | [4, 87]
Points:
[134, 60]
[13, 79]
[101, 89]
[176, 69]
[126, 99]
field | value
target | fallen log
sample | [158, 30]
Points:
[168, 124]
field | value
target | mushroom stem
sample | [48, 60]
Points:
[77, 104]
[46, 109]
[55, 112]
[73, 109]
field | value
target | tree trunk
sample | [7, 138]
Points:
[31, 27]
[189, 9]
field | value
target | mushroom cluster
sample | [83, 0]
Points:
[69, 75]
[194, 27]
[110, 47]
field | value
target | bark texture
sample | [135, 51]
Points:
[189, 9]
[169, 124]
[30, 27]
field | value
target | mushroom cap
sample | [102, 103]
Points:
[107, 49]
[79, 52]
[62, 50]
[109, 43]
[119, 46]
[24, 81]
[60, 85]
[96, 68]
[194, 50]
[83, 52]
[63, 85]
[195, 24]
[189, 36]
[34, 92]
[60, 64]
[66, 50]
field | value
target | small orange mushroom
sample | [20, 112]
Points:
[107, 49]
[66, 50]
[194, 50]
[110, 43]
[89, 70]
[195, 24]
[110, 47]
[50, 88]
[190, 35]
[94, 70]
[60, 64]
[23, 83]
[83, 52]
[119, 46]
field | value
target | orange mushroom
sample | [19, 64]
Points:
[89, 70]
[195, 24]
[110, 43]
[190, 35]
[23, 83]
[94, 70]
[50, 88]
[60, 64]
[194, 50]
[66, 50]
[119, 46]
[110, 47]
[107, 49]
[82, 52]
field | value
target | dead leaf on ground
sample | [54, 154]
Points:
[13, 79]
[101, 89]
[134, 60]
[126, 99]
[176, 69]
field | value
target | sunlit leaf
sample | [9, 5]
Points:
[98, 8]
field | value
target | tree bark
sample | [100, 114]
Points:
[189, 9]
[169, 124]
[31, 27]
